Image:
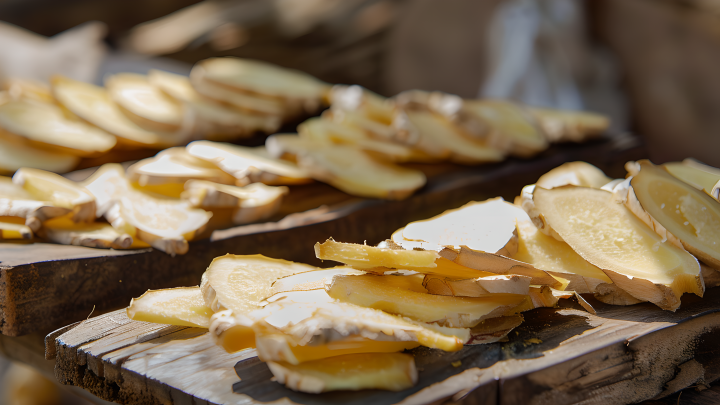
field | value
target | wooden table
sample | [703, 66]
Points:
[44, 286]
[557, 356]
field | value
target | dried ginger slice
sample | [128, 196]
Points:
[144, 103]
[16, 202]
[364, 256]
[251, 203]
[609, 236]
[182, 306]
[569, 126]
[698, 175]
[15, 155]
[311, 280]
[573, 173]
[59, 191]
[95, 234]
[475, 287]
[14, 228]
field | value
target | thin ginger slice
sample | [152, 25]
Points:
[400, 295]
[677, 211]
[144, 103]
[251, 203]
[28, 89]
[95, 234]
[182, 306]
[609, 236]
[569, 126]
[475, 287]
[14, 228]
[59, 191]
[574, 173]
[15, 155]
[243, 102]
[45, 125]
[386, 371]
[311, 280]
[364, 256]
[356, 98]
[16, 202]
[494, 329]
[698, 175]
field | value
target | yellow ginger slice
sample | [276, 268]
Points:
[248, 165]
[44, 125]
[357, 173]
[487, 226]
[557, 258]
[59, 191]
[14, 228]
[240, 283]
[95, 235]
[29, 89]
[569, 126]
[15, 155]
[383, 131]
[494, 329]
[16, 202]
[574, 173]
[311, 280]
[677, 211]
[511, 125]
[144, 103]
[356, 98]
[243, 102]
[400, 295]
[366, 257]
[94, 105]
[608, 235]
[698, 175]
[251, 203]
[183, 306]
[393, 372]
[167, 173]
[475, 287]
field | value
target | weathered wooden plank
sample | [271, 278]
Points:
[45, 286]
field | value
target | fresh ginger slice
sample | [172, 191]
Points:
[509, 121]
[15, 155]
[696, 174]
[15, 201]
[251, 203]
[677, 211]
[243, 102]
[107, 184]
[557, 258]
[240, 283]
[95, 235]
[384, 371]
[183, 306]
[494, 329]
[356, 98]
[487, 226]
[14, 228]
[608, 235]
[357, 173]
[476, 287]
[144, 103]
[573, 173]
[44, 124]
[395, 294]
[248, 165]
[383, 131]
[311, 280]
[59, 191]
[569, 126]
[364, 256]
[93, 104]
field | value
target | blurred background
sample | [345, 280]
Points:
[651, 65]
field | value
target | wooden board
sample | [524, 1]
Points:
[44, 286]
[557, 356]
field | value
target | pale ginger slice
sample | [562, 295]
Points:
[14, 228]
[107, 184]
[243, 102]
[391, 371]
[367, 257]
[677, 211]
[400, 295]
[357, 173]
[475, 287]
[182, 306]
[494, 329]
[311, 280]
[356, 98]
[95, 234]
[383, 131]
[144, 103]
[16, 202]
[574, 173]
[44, 125]
[167, 172]
[15, 155]
[557, 258]
[487, 226]
[251, 203]
[570, 126]
[94, 105]
[240, 283]
[18, 88]
[512, 127]
[58, 191]
[249, 165]
[608, 235]
[698, 175]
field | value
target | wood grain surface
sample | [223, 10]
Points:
[45, 286]
[557, 356]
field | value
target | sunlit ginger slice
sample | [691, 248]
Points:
[14, 228]
[59, 191]
[357, 173]
[400, 295]
[475, 287]
[677, 211]
[557, 258]
[45, 126]
[242, 102]
[573, 173]
[358, 99]
[28, 89]
[144, 103]
[16, 202]
[251, 203]
[94, 234]
[383, 131]
[608, 235]
[248, 165]
[94, 105]
[569, 126]
[494, 329]
[15, 155]
[698, 175]
[364, 256]
[311, 280]
[182, 306]
[167, 172]
[383, 371]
